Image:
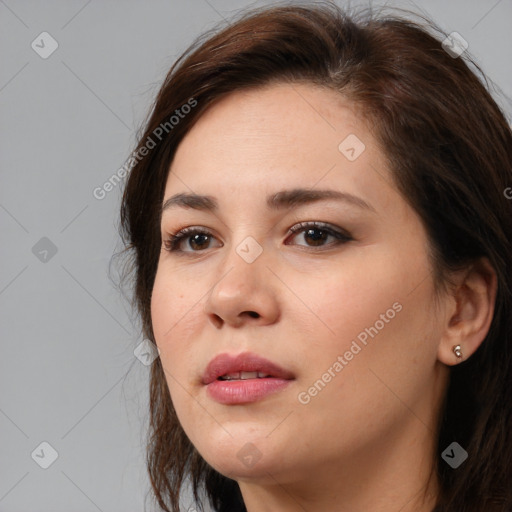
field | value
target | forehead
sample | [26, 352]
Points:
[277, 137]
[278, 119]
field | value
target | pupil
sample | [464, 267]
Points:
[316, 239]
[195, 240]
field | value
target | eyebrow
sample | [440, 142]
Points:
[278, 201]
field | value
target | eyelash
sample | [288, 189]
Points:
[172, 242]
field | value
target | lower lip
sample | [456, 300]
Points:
[244, 391]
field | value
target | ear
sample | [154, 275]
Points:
[470, 312]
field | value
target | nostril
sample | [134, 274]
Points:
[253, 314]
[217, 321]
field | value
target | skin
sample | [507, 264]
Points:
[366, 441]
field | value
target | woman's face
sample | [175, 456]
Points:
[349, 316]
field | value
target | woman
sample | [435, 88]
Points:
[320, 234]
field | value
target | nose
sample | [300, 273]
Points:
[246, 293]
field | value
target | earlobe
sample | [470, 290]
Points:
[469, 321]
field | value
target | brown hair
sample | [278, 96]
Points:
[448, 146]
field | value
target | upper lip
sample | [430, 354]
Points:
[244, 362]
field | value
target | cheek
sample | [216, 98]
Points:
[374, 315]
[383, 366]
[172, 305]
[344, 300]
[174, 316]
[377, 288]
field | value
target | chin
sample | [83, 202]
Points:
[245, 454]
[260, 473]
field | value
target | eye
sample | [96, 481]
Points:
[197, 240]
[194, 239]
[318, 232]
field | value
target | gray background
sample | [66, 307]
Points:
[68, 373]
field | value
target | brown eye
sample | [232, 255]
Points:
[315, 234]
[198, 241]
[188, 240]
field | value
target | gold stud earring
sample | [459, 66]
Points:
[457, 351]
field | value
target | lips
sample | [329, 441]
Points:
[225, 364]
